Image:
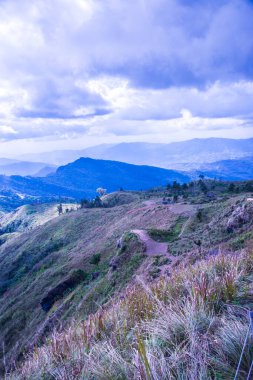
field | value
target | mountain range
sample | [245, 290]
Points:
[184, 155]
[233, 170]
[14, 167]
[82, 177]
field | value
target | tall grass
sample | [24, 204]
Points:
[176, 328]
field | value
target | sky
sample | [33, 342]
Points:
[77, 73]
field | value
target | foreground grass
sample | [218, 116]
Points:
[186, 327]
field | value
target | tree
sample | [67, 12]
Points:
[203, 186]
[60, 209]
[248, 186]
[185, 195]
[97, 202]
[175, 198]
[84, 203]
[199, 215]
[176, 185]
[101, 191]
[231, 187]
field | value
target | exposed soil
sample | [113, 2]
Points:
[152, 247]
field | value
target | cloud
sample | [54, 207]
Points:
[7, 133]
[218, 100]
[86, 67]
[5, 130]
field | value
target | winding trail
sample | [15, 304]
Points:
[153, 248]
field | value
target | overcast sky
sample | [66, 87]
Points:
[75, 73]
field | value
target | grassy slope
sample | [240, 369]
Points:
[38, 261]
[30, 216]
[185, 327]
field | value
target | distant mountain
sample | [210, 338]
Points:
[45, 171]
[63, 157]
[184, 155]
[83, 176]
[7, 161]
[23, 168]
[234, 170]
[81, 179]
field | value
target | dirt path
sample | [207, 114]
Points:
[185, 225]
[153, 248]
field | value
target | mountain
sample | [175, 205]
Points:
[184, 155]
[63, 157]
[230, 170]
[7, 161]
[81, 179]
[83, 176]
[23, 168]
[45, 171]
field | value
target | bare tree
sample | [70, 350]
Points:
[101, 191]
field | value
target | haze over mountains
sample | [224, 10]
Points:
[13, 167]
[183, 155]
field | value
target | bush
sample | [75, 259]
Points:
[95, 260]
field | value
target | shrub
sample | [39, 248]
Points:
[95, 259]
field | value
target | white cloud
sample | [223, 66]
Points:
[125, 69]
[6, 130]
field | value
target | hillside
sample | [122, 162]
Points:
[75, 263]
[16, 191]
[177, 155]
[27, 218]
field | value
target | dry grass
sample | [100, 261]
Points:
[177, 328]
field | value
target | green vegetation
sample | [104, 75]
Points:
[206, 190]
[94, 203]
[95, 259]
[168, 235]
[241, 241]
[43, 265]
